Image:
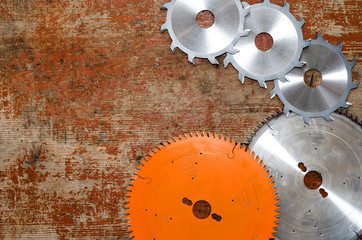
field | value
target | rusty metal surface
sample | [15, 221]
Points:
[87, 87]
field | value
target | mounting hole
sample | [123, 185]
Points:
[302, 167]
[264, 41]
[187, 201]
[312, 78]
[323, 193]
[205, 19]
[313, 180]
[216, 217]
[201, 209]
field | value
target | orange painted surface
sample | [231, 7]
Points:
[88, 87]
[226, 192]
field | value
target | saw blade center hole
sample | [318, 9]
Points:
[205, 19]
[201, 209]
[313, 78]
[264, 41]
[313, 180]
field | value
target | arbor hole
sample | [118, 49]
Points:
[264, 41]
[312, 78]
[313, 180]
[205, 19]
[201, 209]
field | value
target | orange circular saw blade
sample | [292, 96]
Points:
[202, 187]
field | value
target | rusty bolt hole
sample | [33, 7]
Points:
[323, 193]
[313, 180]
[205, 19]
[264, 41]
[187, 201]
[312, 78]
[302, 167]
[216, 217]
[201, 209]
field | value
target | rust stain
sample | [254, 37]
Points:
[88, 87]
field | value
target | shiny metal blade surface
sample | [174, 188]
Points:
[201, 42]
[331, 148]
[333, 90]
[285, 52]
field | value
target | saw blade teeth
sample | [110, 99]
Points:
[286, 5]
[246, 6]
[191, 58]
[165, 6]
[319, 36]
[262, 83]
[173, 47]
[298, 64]
[213, 60]
[339, 45]
[241, 78]
[354, 85]
[283, 79]
[352, 63]
[301, 22]
[306, 43]
[227, 60]
[306, 119]
[286, 111]
[273, 93]
[346, 105]
[230, 49]
[163, 27]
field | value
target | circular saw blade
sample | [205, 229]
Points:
[317, 170]
[331, 94]
[201, 42]
[202, 187]
[285, 52]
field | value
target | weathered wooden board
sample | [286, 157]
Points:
[88, 87]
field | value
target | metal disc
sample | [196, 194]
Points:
[200, 42]
[202, 187]
[296, 153]
[336, 82]
[285, 52]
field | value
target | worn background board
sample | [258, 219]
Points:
[88, 87]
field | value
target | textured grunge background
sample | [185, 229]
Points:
[88, 87]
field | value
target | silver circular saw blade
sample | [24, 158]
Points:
[200, 42]
[334, 89]
[287, 47]
[333, 149]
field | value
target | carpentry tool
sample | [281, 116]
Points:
[202, 42]
[285, 32]
[201, 186]
[317, 169]
[335, 77]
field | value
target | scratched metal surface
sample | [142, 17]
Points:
[87, 87]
